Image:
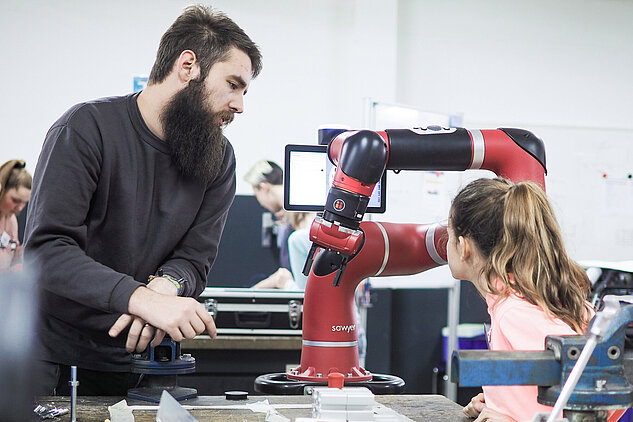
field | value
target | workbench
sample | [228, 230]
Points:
[416, 407]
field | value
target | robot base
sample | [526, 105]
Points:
[280, 384]
[355, 374]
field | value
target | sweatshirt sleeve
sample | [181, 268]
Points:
[55, 236]
[194, 255]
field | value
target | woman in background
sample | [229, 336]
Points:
[15, 192]
[266, 179]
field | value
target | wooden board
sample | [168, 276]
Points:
[415, 407]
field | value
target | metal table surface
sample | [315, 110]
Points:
[416, 407]
[245, 342]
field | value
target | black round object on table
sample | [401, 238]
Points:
[279, 383]
[236, 395]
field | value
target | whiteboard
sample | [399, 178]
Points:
[590, 185]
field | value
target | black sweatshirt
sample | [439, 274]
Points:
[109, 208]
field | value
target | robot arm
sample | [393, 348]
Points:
[375, 249]
[363, 156]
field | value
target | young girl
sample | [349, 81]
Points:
[504, 238]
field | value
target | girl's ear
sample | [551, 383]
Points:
[465, 248]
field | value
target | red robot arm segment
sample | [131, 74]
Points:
[372, 249]
[330, 340]
[516, 154]
[336, 237]
[362, 156]
[408, 248]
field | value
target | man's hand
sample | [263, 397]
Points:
[180, 317]
[177, 316]
[141, 333]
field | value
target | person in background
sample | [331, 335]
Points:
[299, 245]
[266, 179]
[15, 192]
[130, 197]
[504, 238]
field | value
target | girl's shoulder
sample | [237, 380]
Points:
[520, 325]
[512, 303]
[515, 311]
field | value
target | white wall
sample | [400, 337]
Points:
[563, 62]
[561, 68]
[60, 52]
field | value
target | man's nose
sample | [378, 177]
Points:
[237, 104]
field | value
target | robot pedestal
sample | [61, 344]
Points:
[279, 383]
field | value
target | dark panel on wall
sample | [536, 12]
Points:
[472, 307]
[378, 355]
[242, 260]
[417, 320]
[404, 334]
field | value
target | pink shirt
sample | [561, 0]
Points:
[516, 324]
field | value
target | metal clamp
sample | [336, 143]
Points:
[294, 313]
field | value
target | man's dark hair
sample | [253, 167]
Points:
[210, 34]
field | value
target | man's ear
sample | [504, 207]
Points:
[187, 66]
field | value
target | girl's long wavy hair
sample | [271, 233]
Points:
[516, 231]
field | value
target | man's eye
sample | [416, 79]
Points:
[232, 85]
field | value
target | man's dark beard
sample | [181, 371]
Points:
[193, 134]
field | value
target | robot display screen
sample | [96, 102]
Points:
[308, 174]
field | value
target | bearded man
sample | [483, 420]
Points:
[130, 197]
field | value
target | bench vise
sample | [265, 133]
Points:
[604, 384]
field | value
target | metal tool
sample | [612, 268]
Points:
[598, 329]
[49, 412]
[73, 383]
[579, 383]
